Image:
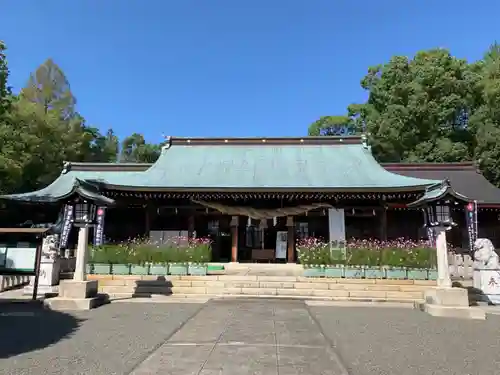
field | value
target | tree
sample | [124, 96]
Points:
[485, 122]
[5, 91]
[417, 109]
[136, 150]
[49, 87]
[333, 125]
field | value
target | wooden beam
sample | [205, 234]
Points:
[290, 240]
[234, 239]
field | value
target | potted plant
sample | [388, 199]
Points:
[314, 255]
[159, 261]
[140, 258]
[335, 267]
[419, 261]
[100, 259]
[393, 262]
[199, 254]
[177, 257]
[120, 259]
[355, 262]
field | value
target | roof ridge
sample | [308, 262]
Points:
[464, 166]
[283, 141]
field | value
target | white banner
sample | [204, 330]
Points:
[336, 224]
[281, 244]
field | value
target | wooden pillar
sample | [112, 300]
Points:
[191, 226]
[147, 220]
[234, 239]
[290, 240]
[383, 224]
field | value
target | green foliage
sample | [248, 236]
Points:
[142, 252]
[313, 252]
[44, 118]
[433, 107]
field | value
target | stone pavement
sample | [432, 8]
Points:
[252, 336]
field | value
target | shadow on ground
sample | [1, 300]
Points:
[475, 295]
[148, 288]
[28, 326]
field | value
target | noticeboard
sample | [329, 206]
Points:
[19, 258]
[20, 250]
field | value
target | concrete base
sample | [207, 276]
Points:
[43, 290]
[68, 304]
[449, 303]
[453, 311]
[447, 297]
[77, 295]
[78, 289]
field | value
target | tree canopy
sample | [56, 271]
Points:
[42, 118]
[433, 107]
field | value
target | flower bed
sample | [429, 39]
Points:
[397, 259]
[180, 256]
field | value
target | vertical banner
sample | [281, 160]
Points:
[281, 244]
[336, 229]
[336, 224]
[66, 226]
[99, 228]
[471, 223]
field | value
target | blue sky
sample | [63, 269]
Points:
[229, 67]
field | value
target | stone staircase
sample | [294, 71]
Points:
[223, 286]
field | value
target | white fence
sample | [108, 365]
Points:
[461, 264]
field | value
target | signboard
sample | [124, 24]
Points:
[471, 223]
[66, 228]
[18, 258]
[336, 225]
[281, 244]
[20, 253]
[336, 229]
[99, 228]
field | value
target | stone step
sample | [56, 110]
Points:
[259, 278]
[266, 291]
[201, 298]
[204, 287]
[264, 286]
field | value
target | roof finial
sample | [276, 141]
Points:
[66, 167]
[168, 143]
[364, 140]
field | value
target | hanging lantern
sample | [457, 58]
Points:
[84, 212]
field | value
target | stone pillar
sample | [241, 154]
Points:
[234, 239]
[81, 254]
[290, 240]
[444, 280]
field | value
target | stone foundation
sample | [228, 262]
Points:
[76, 295]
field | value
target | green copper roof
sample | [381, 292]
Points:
[66, 185]
[325, 164]
[438, 192]
[246, 164]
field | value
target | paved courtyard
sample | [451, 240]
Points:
[241, 337]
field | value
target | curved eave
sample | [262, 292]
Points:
[438, 192]
[78, 187]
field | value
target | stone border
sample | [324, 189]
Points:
[258, 278]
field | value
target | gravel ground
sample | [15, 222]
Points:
[253, 336]
[109, 340]
[389, 341]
